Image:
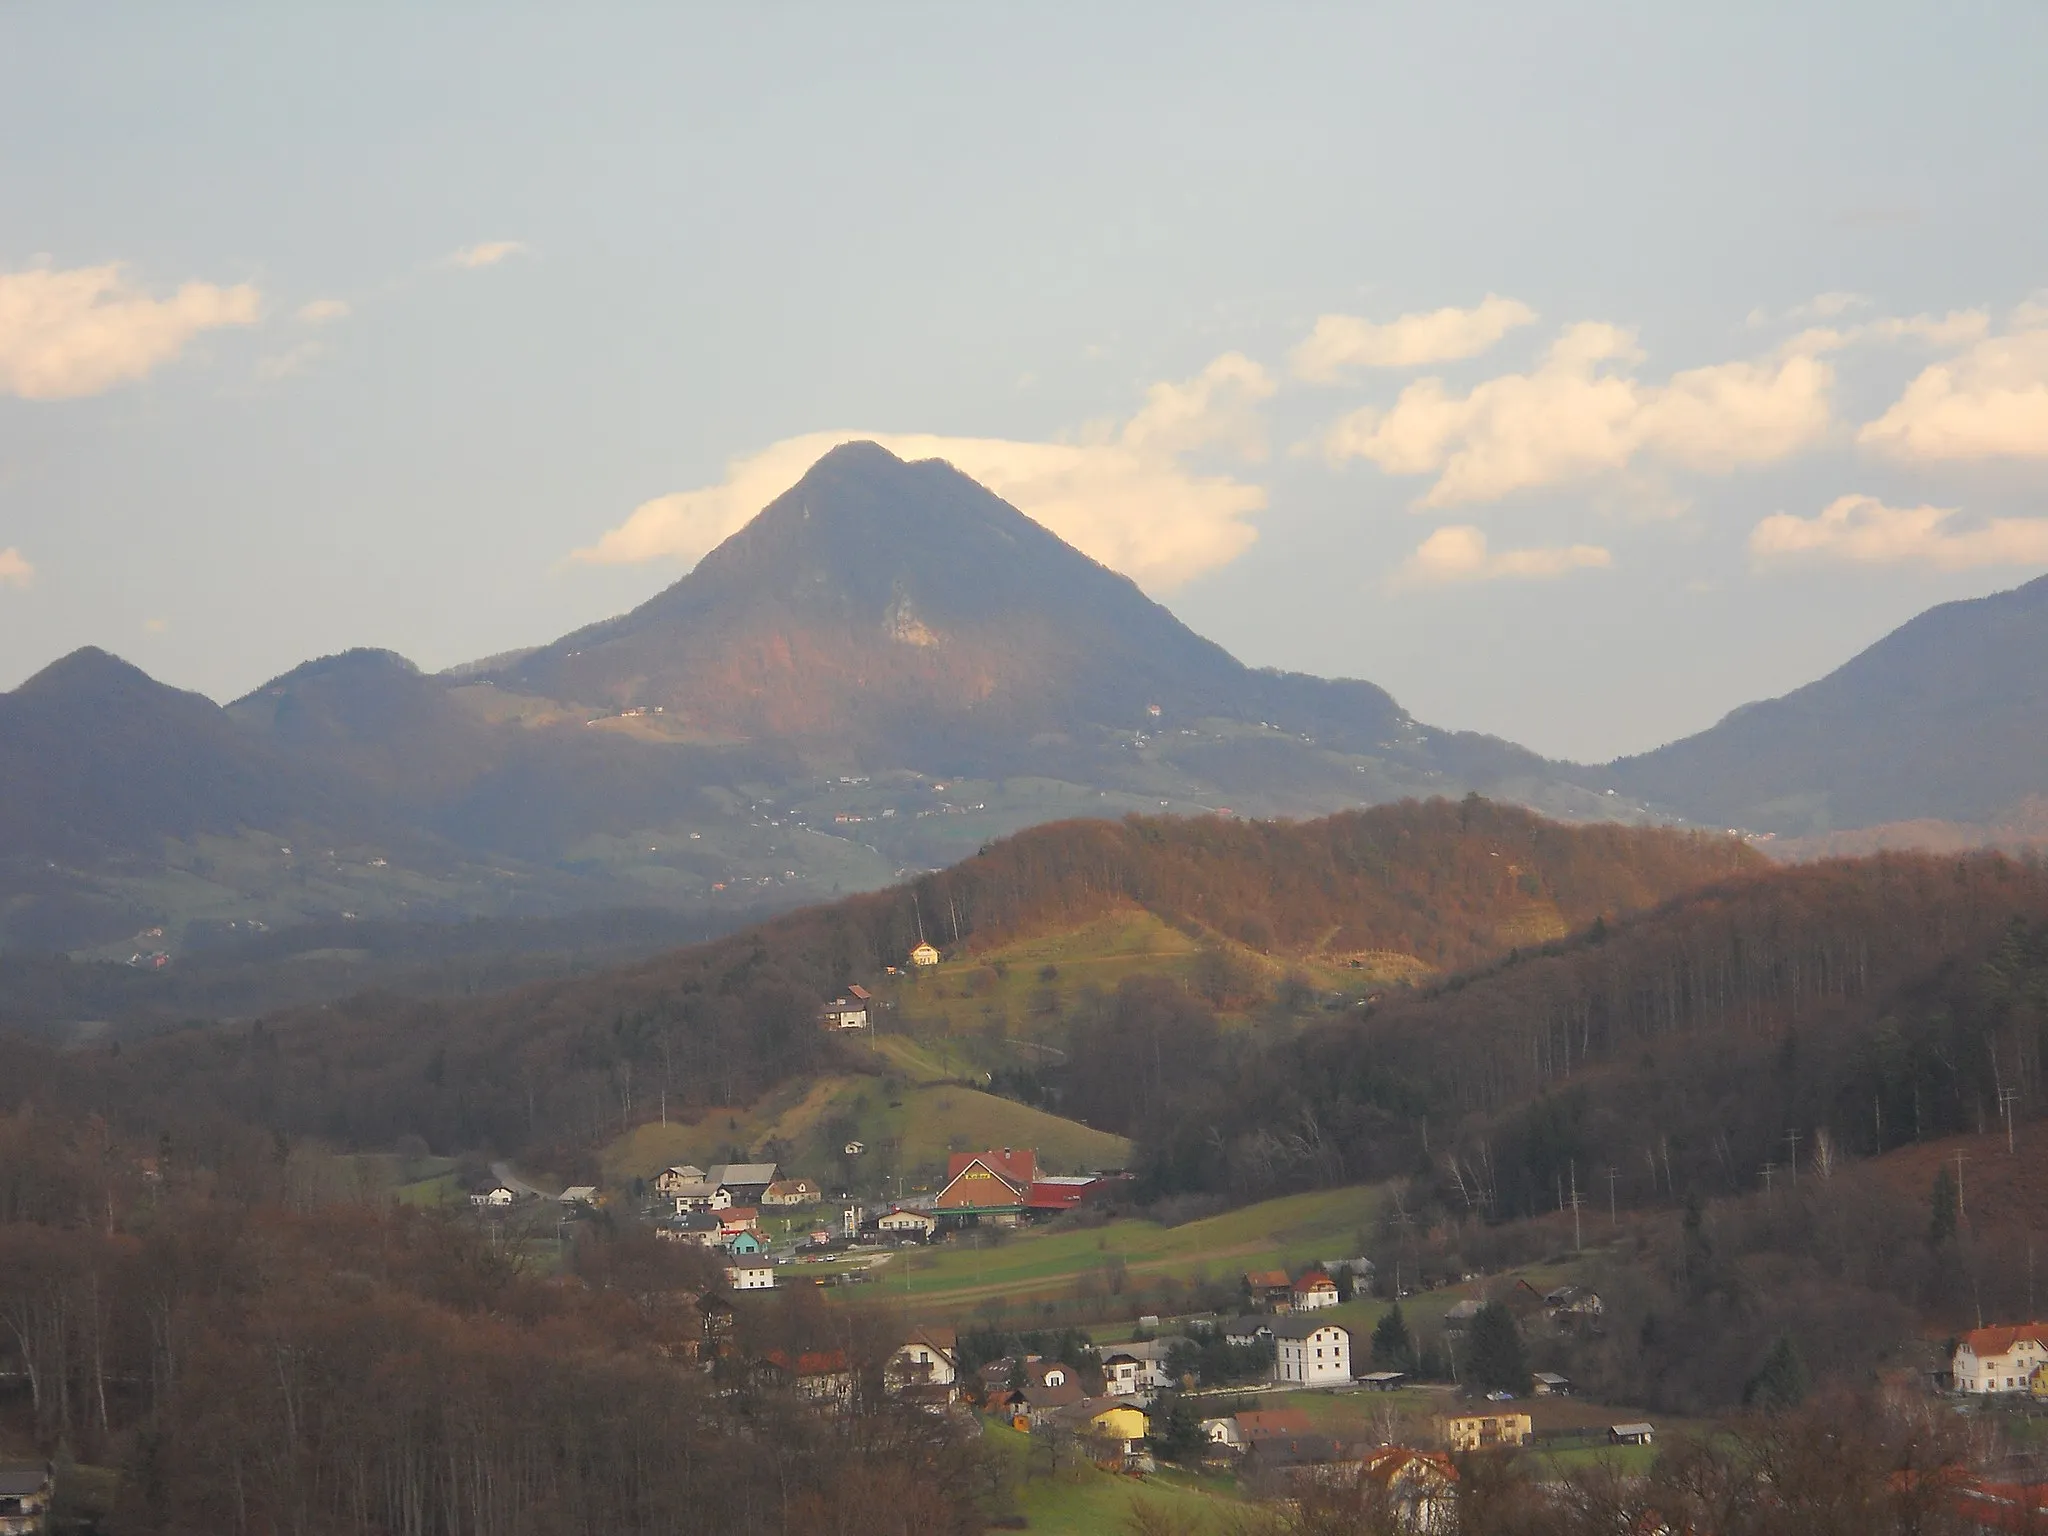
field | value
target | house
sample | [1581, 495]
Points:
[746, 1245]
[1254, 1425]
[1137, 1369]
[1631, 1434]
[1421, 1487]
[670, 1181]
[497, 1197]
[1550, 1384]
[846, 1013]
[1486, 1431]
[1572, 1303]
[579, 1194]
[750, 1275]
[738, 1218]
[901, 1223]
[746, 1183]
[792, 1192]
[26, 1488]
[1270, 1288]
[1049, 1386]
[925, 1359]
[1224, 1433]
[1312, 1290]
[1460, 1316]
[1240, 1332]
[1382, 1381]
[924, 954]
[1296, 1457]
[699, 1195]
[989, 1184]
[1115, 1425]
[1311, 1353]
[698, 1227]
[2001, 1359]
[818, 1376]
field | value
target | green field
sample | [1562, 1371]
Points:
[1087, 1501]
[1029, 1265]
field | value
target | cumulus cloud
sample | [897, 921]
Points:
[68, 333]
[1343, 342]
[323, 312]
[1864, 530]
[15, 571]
[1581, 412]
[1123, 495]
[1989, 401]
[487, 254]
[1459, 553]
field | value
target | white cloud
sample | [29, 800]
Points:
[1864, 530]
[68, 333]
[1991, 401]
[1122, 496]
[1459, 553]
[323, 312]
[1341, 342]
[487, 254]
[15, 571]
[1581, 413]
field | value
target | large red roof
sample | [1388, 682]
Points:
[1997, 1341]
[1019, 1166]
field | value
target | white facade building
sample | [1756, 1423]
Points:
[1311, 1353]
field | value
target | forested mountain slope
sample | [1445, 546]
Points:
[1944, 718]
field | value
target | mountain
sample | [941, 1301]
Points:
[885, 669]
[893, 612]
[1945, 718]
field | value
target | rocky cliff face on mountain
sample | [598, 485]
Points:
[1946, 718]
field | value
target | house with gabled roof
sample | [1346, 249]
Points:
[1270, 1288]
[671, 1180]
[2000, 1359]
[1312, 1289]
[989, 1185]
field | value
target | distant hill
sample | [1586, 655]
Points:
[1946, 718]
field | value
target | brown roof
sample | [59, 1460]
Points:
[1996, 1341]
[822, 1362]
[1018, 1165]
[1266, 1279]
[1312, 1279]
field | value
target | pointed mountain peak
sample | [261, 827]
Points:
[91, 673]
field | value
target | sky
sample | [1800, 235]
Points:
[1577, 373]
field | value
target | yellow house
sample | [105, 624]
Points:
[1122, 1423]
[924, 954]
[1487, 1431]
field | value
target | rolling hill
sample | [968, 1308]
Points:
[1944, 719]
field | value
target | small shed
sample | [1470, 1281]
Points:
[1550, 1384]
[1382, 1381]
[1631, 1434]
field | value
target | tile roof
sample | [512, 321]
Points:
[2000, 1340]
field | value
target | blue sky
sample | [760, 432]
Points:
[1577, 373]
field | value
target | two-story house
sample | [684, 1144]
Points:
[2002, 1359]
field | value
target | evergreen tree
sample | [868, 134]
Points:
[1941, 1225]
[1392, 1348]
[1176, 1428]
[1781, 1382]
[1496, 1360]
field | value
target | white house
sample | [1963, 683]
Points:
[499, 1197]
[849, 1012]
[923, 1359]
[1224, 1432]
[1313, 1290]
[1311, 1352]
[1136, 1370]
[751, 1276]
[903, 1223]
[924, 954]
[2000, 1359]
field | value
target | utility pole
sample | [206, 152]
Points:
[2007, 1097]
[1578, 1244]
[1613, 1173]
[1769, 1169]
[1792, 1139]
[1961, 1215]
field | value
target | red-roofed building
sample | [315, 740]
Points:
[820, 1376]
[1314, 1289]
[1421, 1486]
[2002, 1359]
[990, 1184]
[1048, 1195]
